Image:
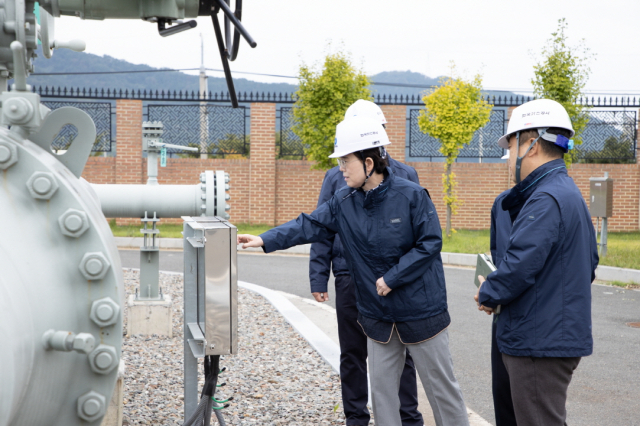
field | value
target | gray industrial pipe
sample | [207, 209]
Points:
[164, 200]
[206, 198]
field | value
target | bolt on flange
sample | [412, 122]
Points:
[94, 266]
[73, 223]
[42, 185]
[8, 155]
[103, 359]
[104, 312]
[66, 341]
[91, 406]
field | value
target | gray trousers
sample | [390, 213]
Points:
[435, 368]
[539, 388]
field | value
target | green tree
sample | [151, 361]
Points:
[323, 97]
[454, 112]
[561, 76]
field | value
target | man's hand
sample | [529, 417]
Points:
[381, 287]
[321, 297]
[489, 311]
[249, 241]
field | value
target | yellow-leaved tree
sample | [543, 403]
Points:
[454, 112]
[323, 98]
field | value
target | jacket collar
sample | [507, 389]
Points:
[376, 195]
[520, 193]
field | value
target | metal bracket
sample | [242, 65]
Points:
[198, 343]
[78, 153]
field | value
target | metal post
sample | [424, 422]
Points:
[204, 117]
[603, 237]
[603, 230]
[190, 313]
[152, 167]
[149, 262]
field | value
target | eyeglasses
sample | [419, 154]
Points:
[342, 162]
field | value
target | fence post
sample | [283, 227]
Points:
[637, 133]
[129, 164]
[262, 164]
[396, 116]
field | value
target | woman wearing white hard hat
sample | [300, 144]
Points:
[326, 257]
[392, 239]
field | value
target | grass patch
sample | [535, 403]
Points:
[623, 250]
[168, 230]
[627, 286]
[466, 241]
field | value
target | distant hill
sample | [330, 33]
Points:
[65, 60]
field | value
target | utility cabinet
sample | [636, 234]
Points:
[601, 196]
[210, 296]
[210, 258]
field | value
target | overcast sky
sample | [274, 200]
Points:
[500, 39]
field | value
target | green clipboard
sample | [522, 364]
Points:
[484, 266]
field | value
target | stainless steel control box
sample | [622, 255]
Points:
[211, 286]
[601, 196]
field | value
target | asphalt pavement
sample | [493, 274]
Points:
[605, 390]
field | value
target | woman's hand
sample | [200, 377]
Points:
[381, 287]
[250, 241]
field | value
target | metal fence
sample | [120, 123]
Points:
[483, 144]
[194, 119]
[100, 112]
[610, 136]
[217, 130]
[288, 144]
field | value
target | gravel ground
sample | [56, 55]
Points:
[277, 378]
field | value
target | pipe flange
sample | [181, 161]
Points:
[94, 266]
[73, 223]
[103, 359]
[104, 312]
[8, 155]
[42, 185]
[91, 406]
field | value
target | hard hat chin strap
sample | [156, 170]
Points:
[364, 166]
[541, 131]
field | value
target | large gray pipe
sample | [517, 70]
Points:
[208, 198]
[164, 200]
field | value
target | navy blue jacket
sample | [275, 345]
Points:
[392, 231]
[328, 253]
[543, 282]
[500, 229]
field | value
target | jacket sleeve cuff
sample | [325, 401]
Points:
[390, 279]
[318, 288]
[267, 245]
[483, 299]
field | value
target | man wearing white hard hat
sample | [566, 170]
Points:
[326, 256]
[391, 240]
[543, 281]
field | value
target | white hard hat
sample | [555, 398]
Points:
[362, 107]
[541, 113]
[358, 133]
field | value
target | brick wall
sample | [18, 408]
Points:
[266, 190]
[396, 130]
[262, 181]
[298, 189]
[129, 142]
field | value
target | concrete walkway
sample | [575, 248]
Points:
[317, 323]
